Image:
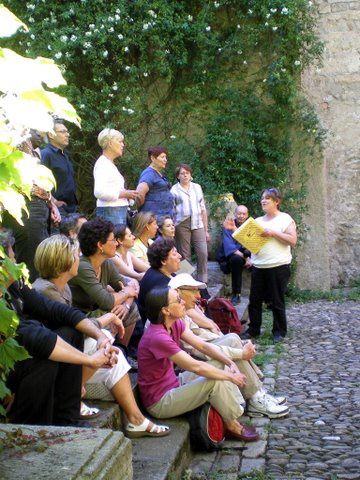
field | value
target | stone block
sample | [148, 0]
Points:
[252, 465]
[255, 449]
[64, 453]
[339, 7]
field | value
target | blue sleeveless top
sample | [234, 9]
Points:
[159, 199]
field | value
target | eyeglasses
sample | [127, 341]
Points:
[112, 240]
[62, 131]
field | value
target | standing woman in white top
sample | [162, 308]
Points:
[191, 221]
[109, 185]
[271, 266]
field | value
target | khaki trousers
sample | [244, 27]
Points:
[194, 391]
[185, 237]
[232, 346]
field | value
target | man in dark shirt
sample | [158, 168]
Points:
[55, 157]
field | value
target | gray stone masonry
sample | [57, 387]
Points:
[64, 453]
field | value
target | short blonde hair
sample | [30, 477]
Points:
[106, 135]
[55, 255]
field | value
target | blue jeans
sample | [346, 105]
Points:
[116, 215]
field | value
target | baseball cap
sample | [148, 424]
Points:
[183, 280]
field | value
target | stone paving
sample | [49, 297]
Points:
[319, 372]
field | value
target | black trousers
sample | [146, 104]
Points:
[47, 392]
[236, 264]
[268, 284]
[27, 238]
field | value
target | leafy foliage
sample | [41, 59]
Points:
[24, 104]
[217, 82]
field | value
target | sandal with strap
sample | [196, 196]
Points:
[86, 413]
[145, 429]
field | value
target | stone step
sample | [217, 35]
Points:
[64, 453]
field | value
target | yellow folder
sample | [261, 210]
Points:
[249, 235]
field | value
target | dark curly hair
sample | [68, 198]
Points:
[159, 251]
[92, 232]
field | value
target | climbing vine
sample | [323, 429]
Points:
[217, 82]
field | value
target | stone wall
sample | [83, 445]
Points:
[331, 252]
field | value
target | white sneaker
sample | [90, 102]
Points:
[278, 400]
[262, 406]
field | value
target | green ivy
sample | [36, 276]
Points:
[216, 82]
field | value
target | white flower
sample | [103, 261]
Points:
[268, 15]
[283, 70]
[114, 87]
[52, 34]
[117, 10]
[310, 4]
[146, 26]
[49, 47]
[264, 81]
[110, 19]
[131, 20]
[58, 55]
[275, 28]
[117, 17]
[96, 30]
[32, 36]
[127, 68]
[84, 52]
[219, 49]
[172, 137]
[106, 112]
[81, 105]
[102, 27]
[124, 109]
[120, 37]
[284, 11]
[130, 111]
[73, 38]
[31, 20]
[127, 99]
[145, 74]
[105, 53]
[126, 49]
[216, 4]
[71, 11]
[111, 95]
[87, 45]
[167, 51]
[30, 6]
[190, 18]
[245, 62]
[297, 63]
[204, 71]
[111, 29]
[238, 26]
[152, 13]
[273, 10]
[208, 28]
[88, 34]
[266, 24]
[239, 52]
[250, 11]
[91, 26]
[67, 54]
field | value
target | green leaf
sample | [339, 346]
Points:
[8, 319]
[3, 390]
[10, 353]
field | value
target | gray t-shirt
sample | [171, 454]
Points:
[51, 291]
[88, 292]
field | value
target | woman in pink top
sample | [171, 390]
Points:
[163, 393]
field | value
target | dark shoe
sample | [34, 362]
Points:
[247, 434]
[277, 338]
[236, 299]
[248, 336]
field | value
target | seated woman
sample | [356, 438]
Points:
[260, 403]
[144, 229]
[70, 224]
[57, 261]
[166, 228]
[124, 259]
[90, 288]
[47, 385]
[165, 261]
[164, 394]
